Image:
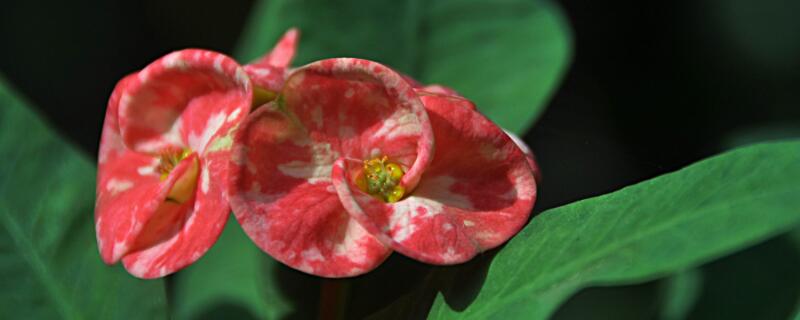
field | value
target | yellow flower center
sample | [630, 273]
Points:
[381, 179]
[183, 189]
[168, 159]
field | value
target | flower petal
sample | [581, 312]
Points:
[183, 235]
[129, 194]
[208, 121]
[269, 72]
[280, 182]
[283, 53]
[282, 196]
[193, 84]
[537, 174]
[119, 170]
[475, 195]
[111, 145]
[443, 91]
[364, 108]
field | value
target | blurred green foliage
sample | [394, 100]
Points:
[49, 264]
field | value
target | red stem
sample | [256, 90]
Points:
[332, 299]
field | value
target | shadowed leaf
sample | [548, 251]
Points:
[49, 262]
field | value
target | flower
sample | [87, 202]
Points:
[475, 194]
[167, 134]
[340, 170]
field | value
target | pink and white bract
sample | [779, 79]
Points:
[476, 193]
[163, 160]
[269, 72]
[341, 169]
[335, 169]
[281, 187]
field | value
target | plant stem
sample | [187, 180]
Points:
[333, 299]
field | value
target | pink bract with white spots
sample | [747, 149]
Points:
[296, 164]
[281, 187]
[477, 192]
[270, 71]
[163, 160]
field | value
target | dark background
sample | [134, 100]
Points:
[652, 87]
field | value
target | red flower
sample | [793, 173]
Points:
[477, 192]
[341, 169]
[161, 196]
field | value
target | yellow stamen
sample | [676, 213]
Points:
[183, 189]
[381, 179]
[168, 159]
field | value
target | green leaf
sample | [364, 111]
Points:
[237, 280]
[641, 232]
[507, 56]
[680, 293]
[49, 262]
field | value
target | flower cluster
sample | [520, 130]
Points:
[341, 162]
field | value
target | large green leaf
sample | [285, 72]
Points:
[641, 232]
[508, 56]
[679, 294]
[49, 262]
